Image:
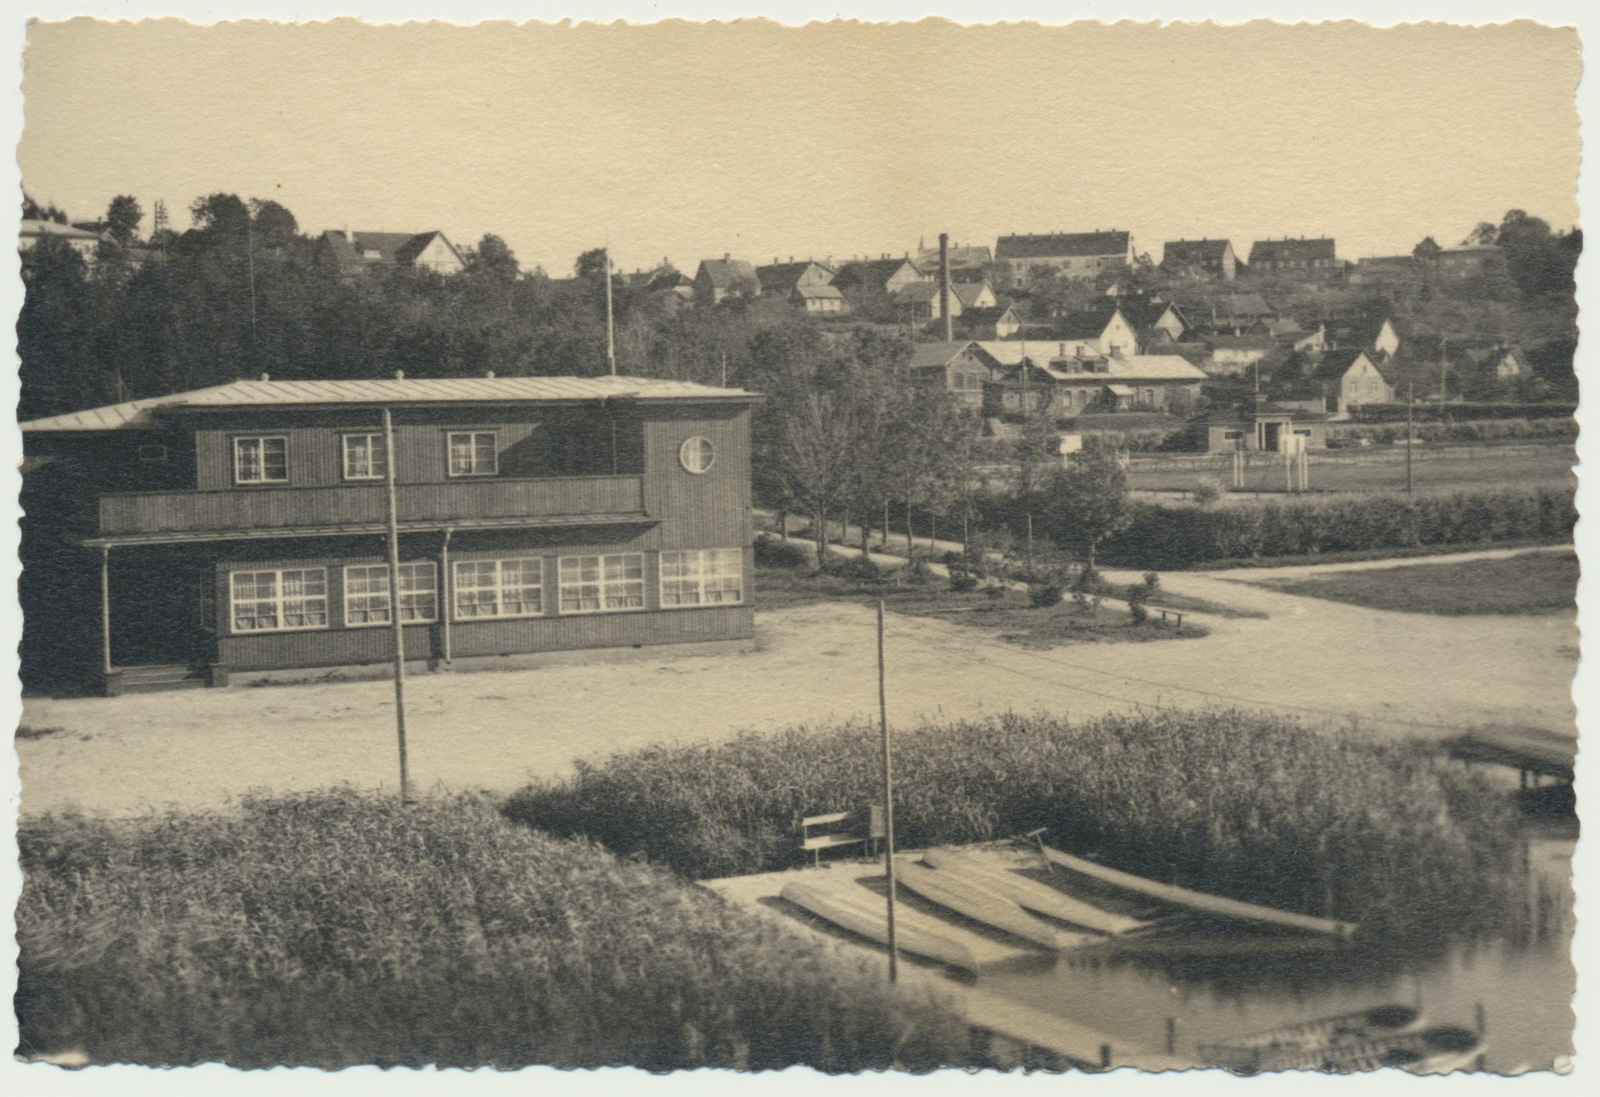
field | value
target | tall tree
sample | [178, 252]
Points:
[494, 258]
[1087, 501]
[122, 219]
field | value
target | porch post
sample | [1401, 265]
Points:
[105, 608]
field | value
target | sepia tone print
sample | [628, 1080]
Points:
[530, 557]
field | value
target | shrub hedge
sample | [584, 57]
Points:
[1163, 537]
[339, 928]
[1252, 806]
[1485, 430]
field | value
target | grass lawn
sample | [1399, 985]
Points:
[1009, 615]
[1537, 582]
[1383, 469]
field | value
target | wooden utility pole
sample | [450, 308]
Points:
[1411, 403]
[888, 801]
[394, 605]
[611, 338]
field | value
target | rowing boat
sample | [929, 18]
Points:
[1437, 1050]
[1310, 1039]
[1198, 901]
[871, 920]
[980, 904]
[1033, 895]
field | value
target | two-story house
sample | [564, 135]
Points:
[1350, 378]
[808, 285]
[1046, 379]
[240, 532]
[1317, 254]
[719, 279]
[1200, 259]
[873, 288]
[1079, 255]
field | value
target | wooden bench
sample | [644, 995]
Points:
[835, 839]
[1171, 613]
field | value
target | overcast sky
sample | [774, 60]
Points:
[689, 141]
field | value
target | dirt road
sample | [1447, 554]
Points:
[1391, 673]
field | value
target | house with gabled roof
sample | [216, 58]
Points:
[355, 251]
[1200, 259]
[1038, 377]
[965, 259]
[974, 295]
[806, 284]
[241, 532]
[719, 279]
[83, 241]
[1101, 330]
[995, 322]
[1293, 255]
[1080, 255]
[958, 367]
[1351, 377]
[871, 286]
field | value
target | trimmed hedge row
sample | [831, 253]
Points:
[1483, 430]
[1165, 537]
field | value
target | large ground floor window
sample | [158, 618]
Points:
[273, 601]
[702, 577]
[498, 588]
[366, 594]
[601, 584]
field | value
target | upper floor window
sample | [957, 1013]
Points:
[261, 460]
[365, 457]
[472, 453]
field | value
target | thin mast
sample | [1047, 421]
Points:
[611, 336]
[394, 605]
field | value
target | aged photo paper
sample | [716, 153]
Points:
[938, 550]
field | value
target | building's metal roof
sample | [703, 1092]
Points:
[137, 414]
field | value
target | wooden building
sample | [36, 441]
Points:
[240, 531]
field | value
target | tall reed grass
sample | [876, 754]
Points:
[1252, 806]
[339, 928]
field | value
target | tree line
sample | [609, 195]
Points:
[843, 432]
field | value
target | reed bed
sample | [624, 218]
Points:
[339, 928]
[1253, 806]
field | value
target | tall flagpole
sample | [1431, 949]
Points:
[888, 802]
[611, 340]
[394, 606]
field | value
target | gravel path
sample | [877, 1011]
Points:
[1390, 673]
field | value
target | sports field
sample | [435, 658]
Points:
[1379, 470]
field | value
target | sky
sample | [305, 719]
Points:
[688, 141]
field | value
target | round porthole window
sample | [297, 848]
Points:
[696, 454]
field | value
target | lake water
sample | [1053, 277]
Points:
[1520, 987]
